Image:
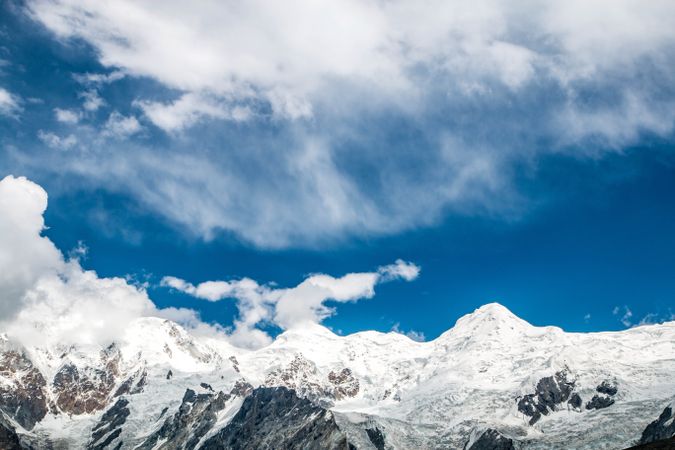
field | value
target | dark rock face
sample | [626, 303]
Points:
[608, 388]
[492, 440]
[599, 402]
[550, 392]
[132, 385]
[206, 386]
[24, 398]
[9, 440]
[665, 444]
[575, 401]
[276, 418]
[196, 415]
[376, 437]
[661, 428]
[109, 427]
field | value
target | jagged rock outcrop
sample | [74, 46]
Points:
[344, 383]
[575, 402]
[376, 437]
[660, 429]
[302, 376]
[549, 393]
[9, 440]
[22, 390]
[195, 417]
[241, 388]
[599, 402]
[491, 439]
[608, 388]
[86, 390]
[277, 418]
[134, 384]
[109, 427]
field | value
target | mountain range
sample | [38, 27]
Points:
[493, 381]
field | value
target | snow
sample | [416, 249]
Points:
[424, 394]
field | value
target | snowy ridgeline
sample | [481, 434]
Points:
[492, 381]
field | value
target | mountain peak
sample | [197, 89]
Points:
[488, 318]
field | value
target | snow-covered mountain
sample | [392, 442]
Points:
[493, 381]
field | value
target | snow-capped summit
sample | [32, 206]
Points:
[492, 378]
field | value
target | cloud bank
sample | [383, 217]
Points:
[47, 298]
[368, 117]
[290, 307]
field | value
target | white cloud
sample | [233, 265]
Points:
[400, 269]
[478, 90]
[188, 109]
[46, 299]
[57, 142]
[25, 255]
[121, 127]
[287, 308]
[219, 49]
[626, 317]
[66, 116]
[417, 336]
[92, 101]
[9, 104]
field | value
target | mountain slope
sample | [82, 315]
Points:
[492, 377]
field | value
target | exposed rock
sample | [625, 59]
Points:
[607, 387]
[665, 444]
[550, 392]
[169, 374]
[575, 401]
[301, 375]
[599, 402]
[195, 417]
[109, 427]
[346, 385]
[23, 392]
[277, 418]
[376, 437]
[661, 428]
[132, 385]
[241, 388]
[80, 392]
[491, 440]
[9, 440]
[235, 363]
[206, 386]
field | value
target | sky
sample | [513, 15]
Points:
[246, 168]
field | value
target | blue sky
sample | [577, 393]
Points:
[533, 169]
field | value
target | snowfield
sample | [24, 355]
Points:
[418, 395]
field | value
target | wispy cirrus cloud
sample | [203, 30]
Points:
[370, 118]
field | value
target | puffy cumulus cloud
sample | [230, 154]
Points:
[368, 117]
[46, 299]
[290, 307]
[25, 255]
